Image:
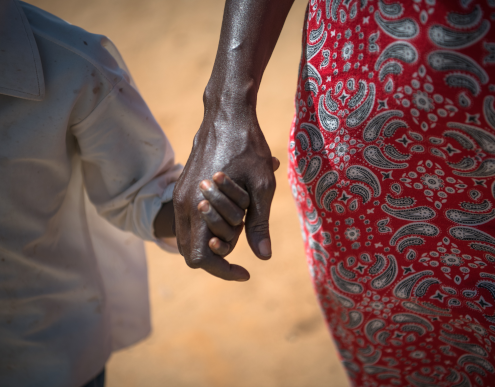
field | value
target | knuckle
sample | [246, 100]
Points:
[260, 227]
[266, 186]
[196, 260]
[179, 200]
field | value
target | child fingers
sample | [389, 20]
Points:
[222, 248]
[221, 203]
[198, 254]
[232, 190]
[219, 247]
[217, 225]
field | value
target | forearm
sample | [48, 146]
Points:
[230, 139]
[250, 31]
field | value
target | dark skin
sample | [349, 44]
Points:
[230, 139]
[223, 211]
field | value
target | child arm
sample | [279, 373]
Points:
[127, 161]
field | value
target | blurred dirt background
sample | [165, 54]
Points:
[267, 332]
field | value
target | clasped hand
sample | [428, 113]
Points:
[229, 141]
[223, 211]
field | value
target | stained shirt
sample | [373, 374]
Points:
[84, 169]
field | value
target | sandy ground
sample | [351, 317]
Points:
[265, 333]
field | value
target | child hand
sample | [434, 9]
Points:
[224, 210]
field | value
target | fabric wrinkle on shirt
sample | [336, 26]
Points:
[84, 168]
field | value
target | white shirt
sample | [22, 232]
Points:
[73, 287]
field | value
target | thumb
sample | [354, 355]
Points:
[258, 214]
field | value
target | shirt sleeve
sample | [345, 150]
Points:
[128, 163]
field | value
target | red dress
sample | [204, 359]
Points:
[392, 167]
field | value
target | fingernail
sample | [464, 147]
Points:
[204, 185]
[265, 248]
[219, 178]
[242, 279]
[204, 207]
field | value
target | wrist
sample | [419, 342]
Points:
[163, 224]
[230, 93]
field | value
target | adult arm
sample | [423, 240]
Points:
[230, 139]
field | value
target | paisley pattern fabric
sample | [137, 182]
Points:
[392, 166]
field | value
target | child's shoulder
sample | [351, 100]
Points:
[93, 48]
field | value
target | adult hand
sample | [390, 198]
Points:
[229, 140]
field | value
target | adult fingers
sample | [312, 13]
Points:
[217, 225]
[261, 190]
[221, 268]
[201, 256]
[276, 163]
[225, 207]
